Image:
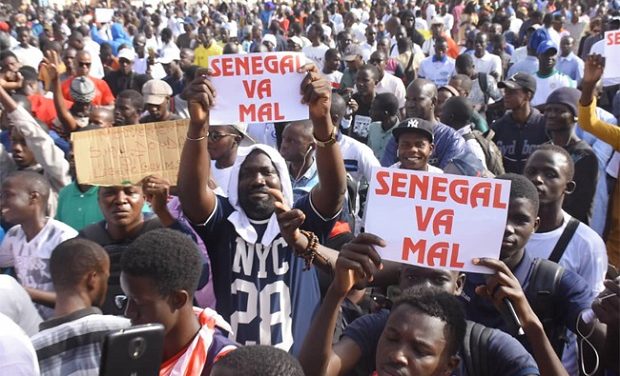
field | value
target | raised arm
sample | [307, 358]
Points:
[46, 153]
[328, 194]
[51, 64]
[588, 120]
[197, 198]
[357, 263]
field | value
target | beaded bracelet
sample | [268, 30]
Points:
[311, 251]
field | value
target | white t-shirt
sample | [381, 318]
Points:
[30, 56]
[546, 85]
[439, 72]
[392, 84]
[16, 351]
[358, 157]
[16, 304]
[488, 63]
[585, 253]
[316, 54]
[31, 258]
[334, 78]
[221, 176]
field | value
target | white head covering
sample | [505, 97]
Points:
[238, 218]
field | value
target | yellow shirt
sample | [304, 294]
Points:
[589, 122]
[201, 54]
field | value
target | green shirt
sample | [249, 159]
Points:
[378, 138]
[78, 209]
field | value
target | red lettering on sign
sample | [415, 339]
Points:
[440, 254]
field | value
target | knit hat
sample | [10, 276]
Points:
[82, 90]
[567, 96]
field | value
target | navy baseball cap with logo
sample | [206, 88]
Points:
[421, 126]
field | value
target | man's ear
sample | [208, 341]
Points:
[179, 298]
[536, 223]
[570, 187]
[91, 280]
[460, 284]
[35, 196]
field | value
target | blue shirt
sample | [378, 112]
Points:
[573, 296]
[505, 355]
[263, 292]
[306, 182]
[571, 65]
[448, 144]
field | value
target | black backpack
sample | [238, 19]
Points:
[474, 349]
[492, 155]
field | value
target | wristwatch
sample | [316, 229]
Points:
[328, 142]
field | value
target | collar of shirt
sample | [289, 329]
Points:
[70, 317]
[443, 59]
[569, 57]
[522, 270]
[465, 130]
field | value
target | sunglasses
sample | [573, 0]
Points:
[84, 64]
[120, 301]
[216, 136]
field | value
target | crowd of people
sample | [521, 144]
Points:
[256, 261]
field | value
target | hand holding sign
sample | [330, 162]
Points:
[593, 69]
[200, 95]
[357, 263]
[316, 92]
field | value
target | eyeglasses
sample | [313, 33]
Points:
[216, 136]
[120, 301]
[84, 64]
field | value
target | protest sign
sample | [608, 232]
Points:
[257, 88]
[437, 220]
[121, 155]
[612, 54]
[103, 15]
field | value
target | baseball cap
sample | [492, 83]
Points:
[242, 128]
[437, 20]
[270, 38]
[127, 53]
[546, 46]
[414, 125]
[297, 41]
[520, 80]
[156, 91]
[169, 55]
[540, 35]
[352, 52]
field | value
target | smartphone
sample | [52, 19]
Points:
[134, 351]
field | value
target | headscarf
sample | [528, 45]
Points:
[239, 218]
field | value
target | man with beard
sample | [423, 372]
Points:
[244, 225]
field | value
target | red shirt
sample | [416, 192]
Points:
[43, 108]
[103, 94]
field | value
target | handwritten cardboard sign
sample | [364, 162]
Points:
[612, 54]
[257, 88]
[437, 220]
[121, 155]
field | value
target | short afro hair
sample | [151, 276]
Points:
[521, 187]
[442, 305]
[74, 258]
[558, 150]
[387, 102]
[170, 258]
[137, 100]
[259, 361]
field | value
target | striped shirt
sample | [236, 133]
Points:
[71, 344]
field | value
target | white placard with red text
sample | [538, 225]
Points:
[437, 220]
[612, 54]
[257, 88]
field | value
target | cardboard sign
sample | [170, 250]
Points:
[437, 220]
[122, 155]
[612, 54]
[257, 88]
[103, 15]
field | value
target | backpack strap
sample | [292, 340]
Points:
[475, 346]
[565, 238]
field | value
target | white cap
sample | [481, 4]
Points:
[127, 53]
[270, 38]
[437, 20]
[169, 55]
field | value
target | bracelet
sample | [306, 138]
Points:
[188, 138]
[328, 142]
[311, 251]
